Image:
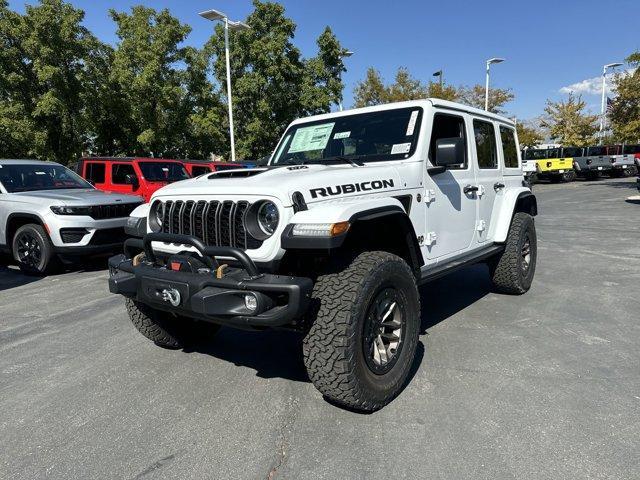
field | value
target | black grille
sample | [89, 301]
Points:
[220, 224]
[116, 210]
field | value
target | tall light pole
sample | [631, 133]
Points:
[604, 86]
[440, 75]
[345, 54]
[215, 15]
[486, 85]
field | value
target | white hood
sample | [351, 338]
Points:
[79, 197]
[281, 182]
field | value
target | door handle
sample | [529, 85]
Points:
[498, 186]
[470, 189]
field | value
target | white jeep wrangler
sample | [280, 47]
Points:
[333, 237]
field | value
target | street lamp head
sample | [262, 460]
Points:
[437, 74]
[491, 61]
[237, 26]
[347, 53]
[613, 65]
[212, 15]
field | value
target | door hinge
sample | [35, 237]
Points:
[431, 238]
[481, 226]
[429, 196]
[481, 190]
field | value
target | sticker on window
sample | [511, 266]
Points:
[340, 135]
[311, 138]
[40, 173]
[400, 148]
[412, 123]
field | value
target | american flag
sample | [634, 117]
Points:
[609, 104]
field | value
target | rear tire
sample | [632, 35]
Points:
[629, 172]
[362, 341]
[168, 330]
[569, 176]
[512, 271]
[32, 250]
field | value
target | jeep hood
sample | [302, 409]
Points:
[315, 182]
[79, 197]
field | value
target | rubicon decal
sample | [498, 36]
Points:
[351, 188]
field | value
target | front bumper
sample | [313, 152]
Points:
[279, 300]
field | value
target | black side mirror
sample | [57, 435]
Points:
[131, 179]
[449, 151]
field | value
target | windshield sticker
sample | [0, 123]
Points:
[340, 135]
[412, 123]
[315, 137]
[40, 173]
[400, 148]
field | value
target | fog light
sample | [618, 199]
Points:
[251, 302]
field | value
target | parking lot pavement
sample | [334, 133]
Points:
[546, 385]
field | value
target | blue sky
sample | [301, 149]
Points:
[548, 44]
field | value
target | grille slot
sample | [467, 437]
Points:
[215, 223]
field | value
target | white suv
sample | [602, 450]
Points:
[47, 213]
[333, 237]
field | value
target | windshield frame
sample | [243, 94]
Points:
[287, 138]
[84, 184]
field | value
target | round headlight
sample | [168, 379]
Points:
[268, 217]
[156, 216]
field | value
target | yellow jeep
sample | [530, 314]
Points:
[550, 165]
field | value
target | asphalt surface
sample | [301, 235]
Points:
[542, 386]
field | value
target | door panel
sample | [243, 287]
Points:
[450, 212]
[489, 173]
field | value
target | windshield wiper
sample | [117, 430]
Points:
[352, 160]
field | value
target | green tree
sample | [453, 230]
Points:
[528, 137]
[145, 69]
[373, 91]
[475, 97]
[625, 112]
[444, 91]
[42, 61]
[568, 123]
[271, 83]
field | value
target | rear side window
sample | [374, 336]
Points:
[95, 172]
[509, 148]
[485, 136]
[447, 126]
[119, 172]
[197, 171]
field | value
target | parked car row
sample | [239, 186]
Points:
[565, 164]
[49, 213]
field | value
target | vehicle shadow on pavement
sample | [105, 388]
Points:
[13, 278]
[448, 295]
[631, 183]
[272, 354]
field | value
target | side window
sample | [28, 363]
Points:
[509, 148]
[119, 172]
[447, 126]
[95, 172]
[196, 171]
[485, 136]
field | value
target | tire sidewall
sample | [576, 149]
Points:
[390, 274]
[527, 230]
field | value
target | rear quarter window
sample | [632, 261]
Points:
[509, 147]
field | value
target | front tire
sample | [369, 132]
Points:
[512, 271]
[362, 340]
[32, 250]
[168, 330]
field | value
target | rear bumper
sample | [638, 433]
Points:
[279, 300]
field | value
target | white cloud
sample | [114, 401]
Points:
[592, 86]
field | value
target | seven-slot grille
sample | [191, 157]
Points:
[220, 224]
[115, 210]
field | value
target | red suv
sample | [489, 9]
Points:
[201, 167]
[138, 176]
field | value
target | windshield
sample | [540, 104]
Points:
[535, 154]
[572, 152]
[596, 151]
[367, 137]
[163, 171]
[631, 149]
[34, 177]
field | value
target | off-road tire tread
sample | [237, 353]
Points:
[329, 363]
[163, 329]
[505, 270]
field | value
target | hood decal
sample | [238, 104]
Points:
[351, 188]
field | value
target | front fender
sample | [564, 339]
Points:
[502, 223]
[340, 211]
